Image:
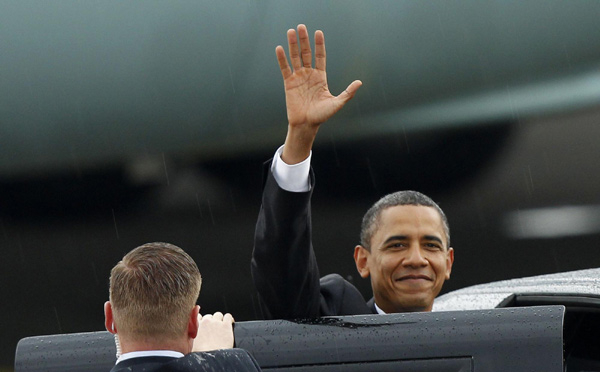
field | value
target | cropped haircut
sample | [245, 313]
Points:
[153, 291]
[371, 219]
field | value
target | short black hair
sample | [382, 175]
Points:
[370, 220]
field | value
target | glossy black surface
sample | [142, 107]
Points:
[515, 339]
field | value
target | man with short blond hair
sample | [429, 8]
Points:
[153, 314]
[157, 273]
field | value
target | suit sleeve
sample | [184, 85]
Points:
[283, 266]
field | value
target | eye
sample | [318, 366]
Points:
[433, 246]
[397, 245]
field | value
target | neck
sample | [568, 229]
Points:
[389, 309]
[129, 345]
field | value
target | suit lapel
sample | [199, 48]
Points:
[371, 305]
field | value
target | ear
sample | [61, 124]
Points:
[361, 258]
[449, 262]
[193, 322]
[109, 321]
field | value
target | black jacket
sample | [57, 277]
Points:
[284, 267]
[226, 360]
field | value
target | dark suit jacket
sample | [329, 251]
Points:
[226, 360]
[284, 267]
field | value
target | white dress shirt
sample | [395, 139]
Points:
[148, 353]
[378, 309]
[293, 178]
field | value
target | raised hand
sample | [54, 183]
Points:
[308, 99]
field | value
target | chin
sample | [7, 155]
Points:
[415, 304]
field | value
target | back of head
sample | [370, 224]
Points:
[153, 290]
[370, 222]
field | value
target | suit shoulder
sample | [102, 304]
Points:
[218, 360]
[340, 297]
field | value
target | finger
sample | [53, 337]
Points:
[199, 317]
[286, 71]
[228, 318]
[294, 50]
[218, 315]
[207, 316]
[347, 94]
[320, 55]
[305, 46]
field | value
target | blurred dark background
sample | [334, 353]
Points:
[125, 123]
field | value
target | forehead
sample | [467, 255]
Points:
[409, 220]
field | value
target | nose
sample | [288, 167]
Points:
[414, 257]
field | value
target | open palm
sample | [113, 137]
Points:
[308, 100]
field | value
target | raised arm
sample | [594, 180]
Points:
[308, 99]
[284, 267]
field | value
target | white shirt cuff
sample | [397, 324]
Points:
[293, 178]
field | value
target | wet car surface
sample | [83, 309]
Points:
[544, 323]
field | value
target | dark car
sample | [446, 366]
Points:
[545, 323]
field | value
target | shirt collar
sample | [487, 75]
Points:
[378, 309]
[147, 353]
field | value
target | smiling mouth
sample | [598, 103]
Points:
[413, 277]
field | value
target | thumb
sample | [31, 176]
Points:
[350, 91]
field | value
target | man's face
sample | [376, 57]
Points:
[409, 259]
